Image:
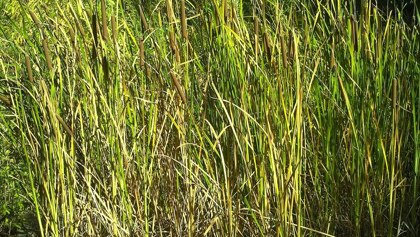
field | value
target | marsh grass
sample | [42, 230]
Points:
[217, 118]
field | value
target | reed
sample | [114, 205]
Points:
[141, 49]
[66, 128]
[5, 100]
[256, 34]
[178, 87]
[114, 29]
[72, 37]
[183, 20]
[283, 46]
[47, 53]
[104, 21]
[143, 19]
[95, 36]
[37, 22]
[29, 68]
[79, 26]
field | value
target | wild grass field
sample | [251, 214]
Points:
[209, 118]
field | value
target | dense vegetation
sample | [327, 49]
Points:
[218, 118]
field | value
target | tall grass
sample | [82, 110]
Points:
[217, 118]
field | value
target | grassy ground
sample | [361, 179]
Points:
[217, 118]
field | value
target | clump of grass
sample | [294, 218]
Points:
[225, 118]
